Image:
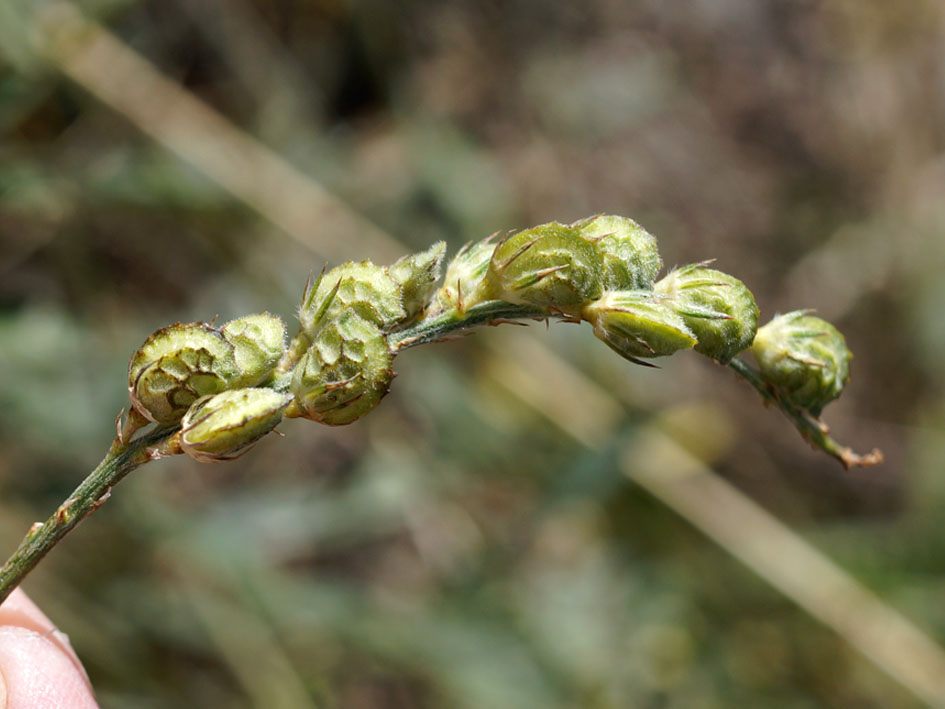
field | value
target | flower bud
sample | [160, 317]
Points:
[717, 307]
[176, 366]
[258, 344]
[417, 276]
[345, 372]
[638, 324]
[224, 426]
[549, 266]
[364, 288]
[804, 357]
[462, 284]
[631, 259]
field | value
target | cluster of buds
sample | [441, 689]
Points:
[603, 270]
[180, 364]
[346, 316]
[213, 381]
[227, 387]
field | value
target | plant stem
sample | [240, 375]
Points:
[812, 429]
[121, 459]
[124, 455]
[492, 312]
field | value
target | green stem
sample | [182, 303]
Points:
[812, 429]
[492, 312]
[124, 456]
[121, 459]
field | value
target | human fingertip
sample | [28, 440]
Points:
[3, 692]
[35, 673]
[19, 610]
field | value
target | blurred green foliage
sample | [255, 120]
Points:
[454, 549]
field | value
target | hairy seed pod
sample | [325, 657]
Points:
[463, 283]
[717, 307]
[224, 426]
[258, 344]
[176, 366]
[636, 324]
[631, 258]
[345, 372]
[804, 357]
[364, 288]
[549, 266]
[417, 275]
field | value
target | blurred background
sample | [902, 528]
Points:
[483, 539]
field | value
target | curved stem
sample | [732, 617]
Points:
[124, 455]
[812, 429]
[121, 459]
[492, 312]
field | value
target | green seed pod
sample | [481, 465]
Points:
[176, 366]
[717, 307]
[258, 344]
[224, 426]
[463, 283]
[362, 287]
[638, 324]
[417, 276]
[549, 266]
[345, 373]
[631, 259]
[804, 357]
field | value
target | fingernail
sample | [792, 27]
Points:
[36, 672]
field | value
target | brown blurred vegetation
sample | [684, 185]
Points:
[454, 549]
